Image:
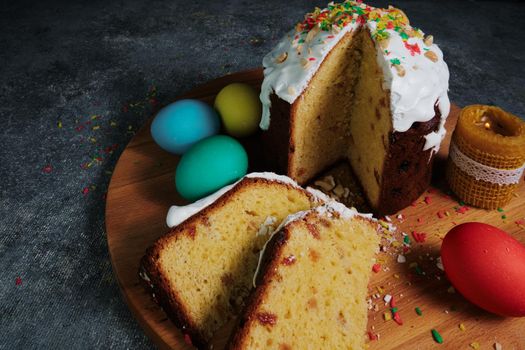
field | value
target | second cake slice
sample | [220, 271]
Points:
[312, 283]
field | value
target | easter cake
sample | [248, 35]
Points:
[358, 83]
[201, 271]
[312, 284]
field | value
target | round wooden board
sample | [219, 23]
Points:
[142, 189]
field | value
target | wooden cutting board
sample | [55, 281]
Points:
[142, 189]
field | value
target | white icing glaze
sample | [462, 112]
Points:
[320, 196]
[177, 214]
[345, 212]
[412, 95]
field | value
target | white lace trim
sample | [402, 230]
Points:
[483, 172]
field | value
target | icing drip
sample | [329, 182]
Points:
[413, 66]
[177, 214]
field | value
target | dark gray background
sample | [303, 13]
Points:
[66, 61]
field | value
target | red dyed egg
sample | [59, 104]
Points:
[487, 266]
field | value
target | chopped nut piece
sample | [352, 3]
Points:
[400, 70]
[306, 63]
[282, 57]
[431, 55]
[339, 190]
[312, 33]
[384, 43]
[325, 185]
[429, 40]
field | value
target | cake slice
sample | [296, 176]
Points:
[312, 284]
[201, 271]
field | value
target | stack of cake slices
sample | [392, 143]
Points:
[293, 264]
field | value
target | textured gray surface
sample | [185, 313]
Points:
[61, 61]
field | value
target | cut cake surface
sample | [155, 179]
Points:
[312, 284]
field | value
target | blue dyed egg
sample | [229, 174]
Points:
[210, 165]
[181, 124]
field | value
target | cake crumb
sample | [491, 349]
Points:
[439, 264]
[475, 345]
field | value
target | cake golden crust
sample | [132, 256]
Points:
[408, 169]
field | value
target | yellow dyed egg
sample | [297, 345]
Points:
[240, 109]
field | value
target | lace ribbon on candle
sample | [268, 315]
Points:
[483, 172]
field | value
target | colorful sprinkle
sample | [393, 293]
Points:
[395, 61]
[187, 339]
[376, 268]
[398, 319]
[419, 237]
[47, 169]
[18, 281]
[462, 327]
[463, 209]
[437, 337]
[393, 302]
[418, 311]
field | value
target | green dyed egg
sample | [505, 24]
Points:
[209, 165]
[240, 109]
